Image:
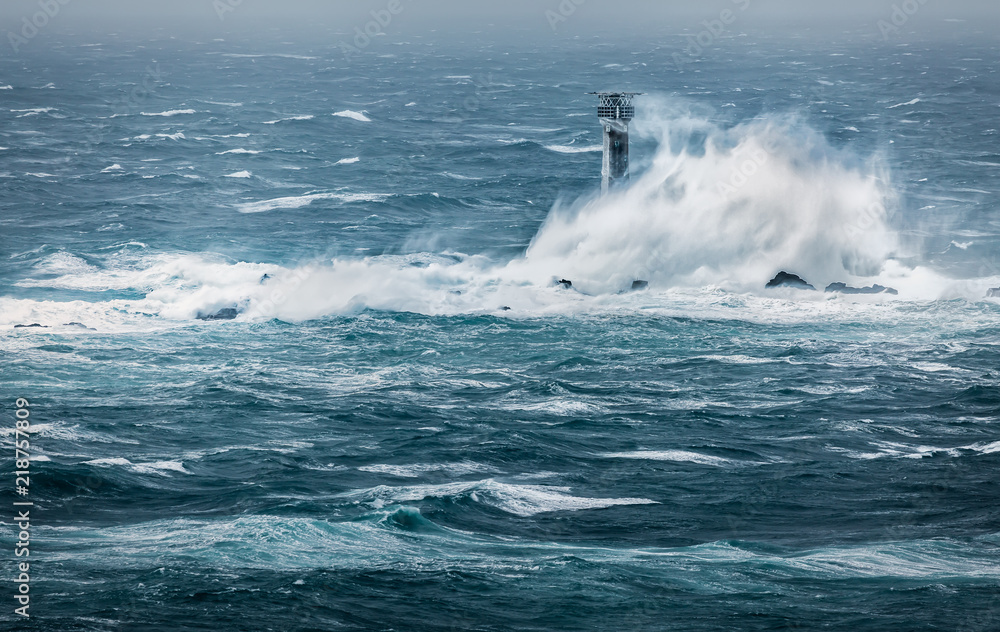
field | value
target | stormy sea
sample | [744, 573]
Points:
[317, 336]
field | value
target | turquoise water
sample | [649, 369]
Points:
[409, 426]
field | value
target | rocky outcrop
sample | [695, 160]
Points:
[994, 292]
[226, 313]
[784, 279]
[843, 288]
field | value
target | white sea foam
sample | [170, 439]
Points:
[239, 174]
[416, 470]
[351, 114]
[521, 500]
[574, 149]
[60, 431]
[237, 151]
[7, 87]
[900, 105]
[706, 250]
[168, 113]
[347, 161]
[680, 456]
[114, 167]
[299, 201]
[175, 136]
[775, 194]
[33, 112]
[557, 407]
[304, 117]
[156, 467]
[985, 448]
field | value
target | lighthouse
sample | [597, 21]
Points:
[616, 112]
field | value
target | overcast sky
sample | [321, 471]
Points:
[465, 14]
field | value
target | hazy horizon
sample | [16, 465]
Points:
[553, 17]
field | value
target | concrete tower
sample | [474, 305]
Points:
[616, 112]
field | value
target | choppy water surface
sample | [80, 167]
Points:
[410, 426]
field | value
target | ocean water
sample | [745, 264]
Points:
[410, 426]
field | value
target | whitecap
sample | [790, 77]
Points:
[305, 200]
[680, 456]
[33, 111]
[239, 174]
[899, 105]
[114, 167]
[347, 161]
[574, 149]
[168, 113]
[415, 470]
[303, 117]
[351, 114]
[521, 500]
[237, 151]
[156, 467]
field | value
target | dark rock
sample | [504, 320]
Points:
[505, 308]
[844, 288]
[264, 278]
[639, 285]
[565, 283]
[226, 313]
[81, 325]
[31, 325]
[784, 279]
[993, 293]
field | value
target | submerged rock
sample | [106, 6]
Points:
[31, 325]
[844, 288]
[639, 285]
[784, 279]
[565, 283]
[994, 292]
[226, 313]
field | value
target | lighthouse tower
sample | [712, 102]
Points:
[616, 112]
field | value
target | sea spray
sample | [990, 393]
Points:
[716, 207]
[725, 207]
